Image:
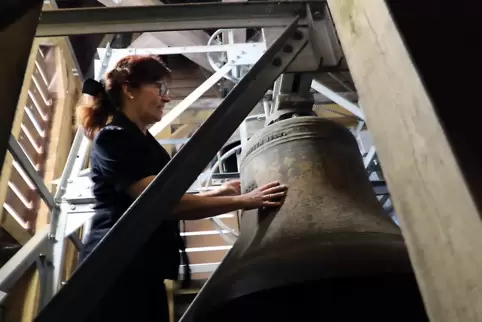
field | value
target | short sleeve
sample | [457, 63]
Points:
[120, 156]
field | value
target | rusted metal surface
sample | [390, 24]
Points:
[329, 250]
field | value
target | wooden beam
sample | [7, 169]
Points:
[167, 38]
[177, 39]
[239, 35]
[438, 213]
[183, 131]
[17, 37]
[7, 221]
[60, 139]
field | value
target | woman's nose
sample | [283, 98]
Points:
[165, 98]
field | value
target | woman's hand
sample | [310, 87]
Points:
[231, 188]
[269, 195]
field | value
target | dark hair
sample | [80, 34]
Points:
[134, 70]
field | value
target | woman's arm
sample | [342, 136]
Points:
[192, 207]
[229, 188]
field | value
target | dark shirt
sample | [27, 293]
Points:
[121, 156]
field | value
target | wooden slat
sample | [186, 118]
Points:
[205, 241]
[439, 215]
[21, 184]
[36, 113]
[206, 224]
[214, 256]
[41, 85]
[32, 130]
[38, 100]
[42, 67]
[14, 201]
[28, 148]
[10, 224]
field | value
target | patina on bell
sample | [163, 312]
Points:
[329, 253]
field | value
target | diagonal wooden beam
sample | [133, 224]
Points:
[438, 213]
[8, 222]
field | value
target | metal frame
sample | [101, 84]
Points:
[79, 21]
[143, 216]
[21, 261]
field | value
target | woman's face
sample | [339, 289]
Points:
[150, 100]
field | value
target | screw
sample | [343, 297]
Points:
[72, 207]
[288, 49]
[298, 35]
[70, 181]
[276, 62]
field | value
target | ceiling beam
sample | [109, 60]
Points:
[176, 39]
[167, 38]
[239, 35]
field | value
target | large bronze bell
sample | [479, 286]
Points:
[329, 253]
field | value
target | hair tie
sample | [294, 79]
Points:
[92, 87]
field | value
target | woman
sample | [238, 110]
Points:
[125, 158]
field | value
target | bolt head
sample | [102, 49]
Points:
[298, 35]
[276, 62]
[288, 49]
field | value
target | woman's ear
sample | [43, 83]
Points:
[127, 92]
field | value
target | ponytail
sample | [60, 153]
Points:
[105, 99]
[94, 114]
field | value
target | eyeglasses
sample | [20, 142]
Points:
[163, 89]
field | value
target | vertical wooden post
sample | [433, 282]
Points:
[438, 213]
